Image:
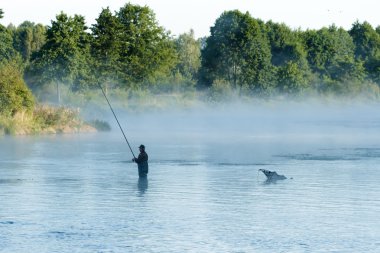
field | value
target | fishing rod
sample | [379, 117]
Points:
[104, 94]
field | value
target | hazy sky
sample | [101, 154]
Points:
[180, 16]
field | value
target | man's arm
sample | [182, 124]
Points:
[141, 158]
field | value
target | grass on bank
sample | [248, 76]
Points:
[48, 120]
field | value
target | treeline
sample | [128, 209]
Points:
[129, 50]
[270, 58]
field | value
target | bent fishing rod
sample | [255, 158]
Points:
[104, 94]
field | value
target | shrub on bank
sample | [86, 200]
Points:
[44, 120]
[15, 95]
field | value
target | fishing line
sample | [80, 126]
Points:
[104, 94]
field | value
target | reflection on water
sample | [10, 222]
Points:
[9, 181]
[142, 185]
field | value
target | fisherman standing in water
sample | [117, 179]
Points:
[142, 162]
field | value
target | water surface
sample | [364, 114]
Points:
[81, 193]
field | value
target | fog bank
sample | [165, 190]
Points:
[251, 132]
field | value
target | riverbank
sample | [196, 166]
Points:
[94, 114]
[45, 120]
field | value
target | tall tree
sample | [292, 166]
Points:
[146, 53]
[366, 39]
[283, 43]
[367, 48]
[7, 52]
[189, 55]
[289, 58]
[64, 58]
[131, 48]
[106, 46]
[28, 39]
[331, 55]
[238, 52]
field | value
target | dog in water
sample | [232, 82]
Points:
[272, 175]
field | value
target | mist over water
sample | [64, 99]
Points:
[81, 193]
[237, 129]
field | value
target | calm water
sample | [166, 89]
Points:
[80, 193]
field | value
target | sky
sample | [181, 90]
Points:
[179, 16]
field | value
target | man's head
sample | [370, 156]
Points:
[142, 147]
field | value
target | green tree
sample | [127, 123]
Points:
[130, 48]
[65, 57]
[147, 53]
[7, 52]
[28, 39]
[289, 58]
[15, 95]
[367, 48]
[189, 56]
[293, 77]
[237, 51]
[283, 43]
[366, 39]
[378, 29]
[106, 46]
[331, 56]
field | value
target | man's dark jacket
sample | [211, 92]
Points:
[142, 163]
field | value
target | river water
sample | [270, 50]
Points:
[81, 193]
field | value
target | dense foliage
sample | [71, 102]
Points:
[130, 51]
[238, 52]
[15, 95]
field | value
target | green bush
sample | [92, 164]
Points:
[6, 125]
[14, 94]
[55, 116]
